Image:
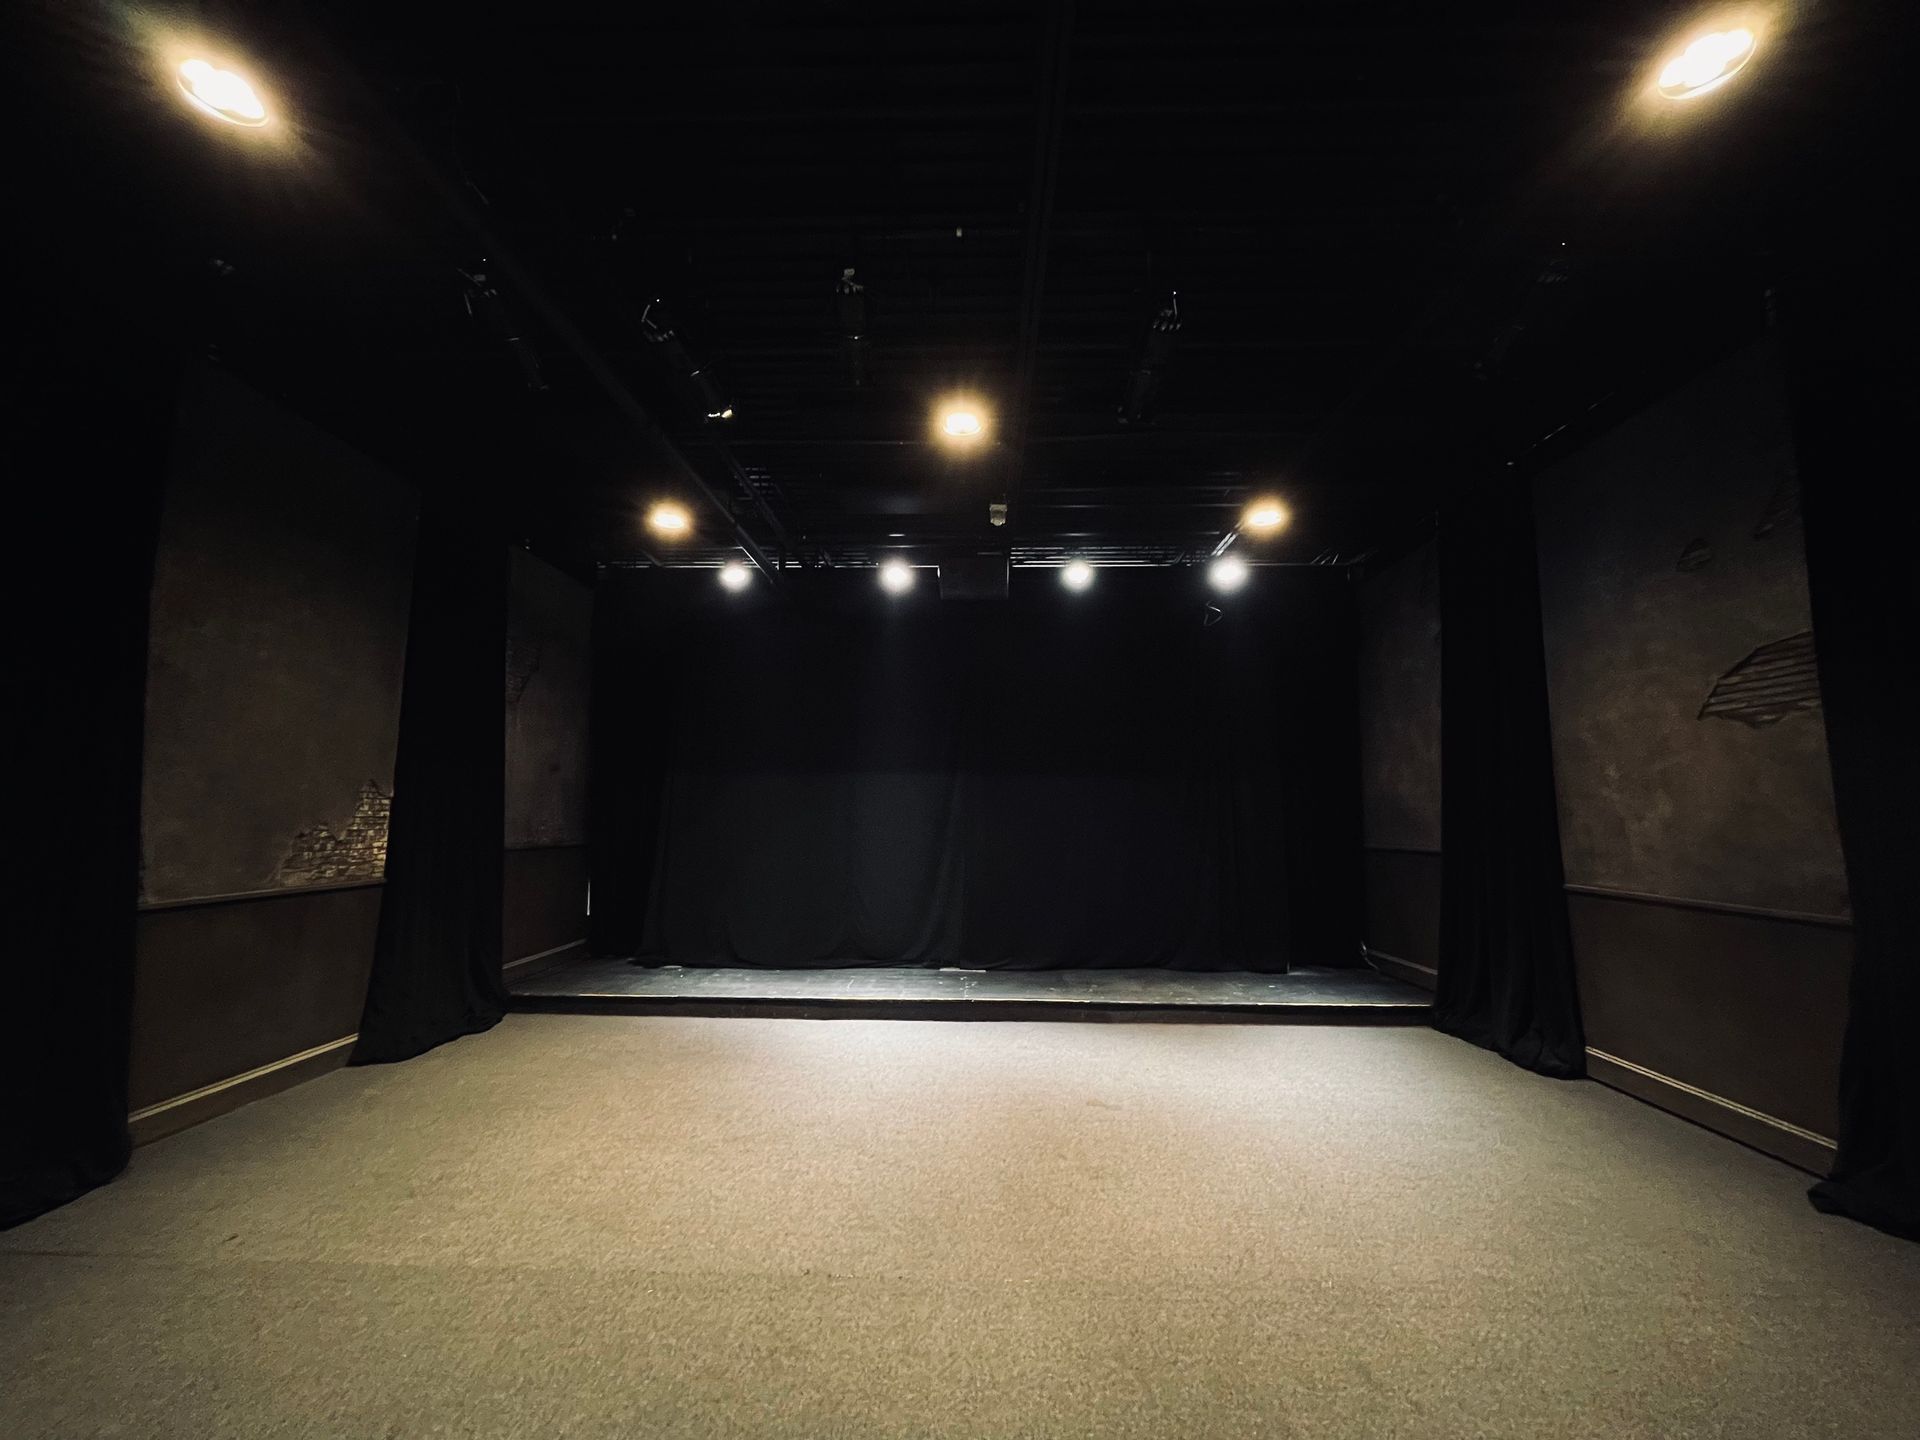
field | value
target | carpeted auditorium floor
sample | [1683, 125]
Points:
[620, 1226]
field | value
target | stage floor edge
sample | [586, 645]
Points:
[1319, 995]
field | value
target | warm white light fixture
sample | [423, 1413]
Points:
[221, 93]
[735, 575]
[1707, 63]
[960, 422]
[669, 519]
[896, 577]
[723, 414]
[1227, 574]
[1265, 517]
[1076, 575]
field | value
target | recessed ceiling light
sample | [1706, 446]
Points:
[896, 577]
[1227, 574]
[669, 518]
[1707, 63]
[1076, 575]
[1264, 517]
[221, 93]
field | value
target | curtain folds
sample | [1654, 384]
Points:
[1506, 956]
[830, 776]
[1854, 374]
[436, 969]
[79, 648]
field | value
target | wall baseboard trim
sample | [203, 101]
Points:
[1411, 971]
[539, 960]
[1712, 907]
[1755, 1128]
[169, 1117]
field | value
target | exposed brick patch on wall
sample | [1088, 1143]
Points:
[358, 852]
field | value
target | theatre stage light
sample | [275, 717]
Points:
[896, 577]
[1076, 575]
[960, 422]
[1707, 63]
[221, 93]
[667, 518]
[1265, 517]
[1227, 574]
[736, 575]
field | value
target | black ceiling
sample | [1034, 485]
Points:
[1406, 241]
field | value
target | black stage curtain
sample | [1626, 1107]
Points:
[827, 775]
[1854, 375]
[436, 968]
[1506, 955]
[78, 647]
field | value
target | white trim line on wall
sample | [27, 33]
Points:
[1793, 1143]
[541, 955]
[1376, 954]
[153, 1121]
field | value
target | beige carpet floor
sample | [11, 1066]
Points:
[621, 1226]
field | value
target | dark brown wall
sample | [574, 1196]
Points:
[278, 638]
[547, 691]
[278, 635]
[224, 989]
[1399, 609]
[1689, 753]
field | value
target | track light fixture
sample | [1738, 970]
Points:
[658, 328]
[492, 313]
[850, 309]
[1163, 333]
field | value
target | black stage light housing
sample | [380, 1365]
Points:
[1163, 333]
[850, 314]
[657, 325]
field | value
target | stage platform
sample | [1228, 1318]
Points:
[1319, 996]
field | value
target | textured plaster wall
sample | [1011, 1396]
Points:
[1689, 749]
[1400, 702]
[278, 637]
[547, 687]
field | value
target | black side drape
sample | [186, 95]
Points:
[1506, 956]
[1854, 377]
[78, 652]
[436, 968]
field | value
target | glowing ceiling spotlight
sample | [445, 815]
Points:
[960, 423]
[1707, 63]
[221, 93]
[1265, 517]
[1076, 575]
[1227, 574]
[896, 576]
[736, 575]
[667, 518]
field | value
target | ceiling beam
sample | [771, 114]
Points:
[1049, 122]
